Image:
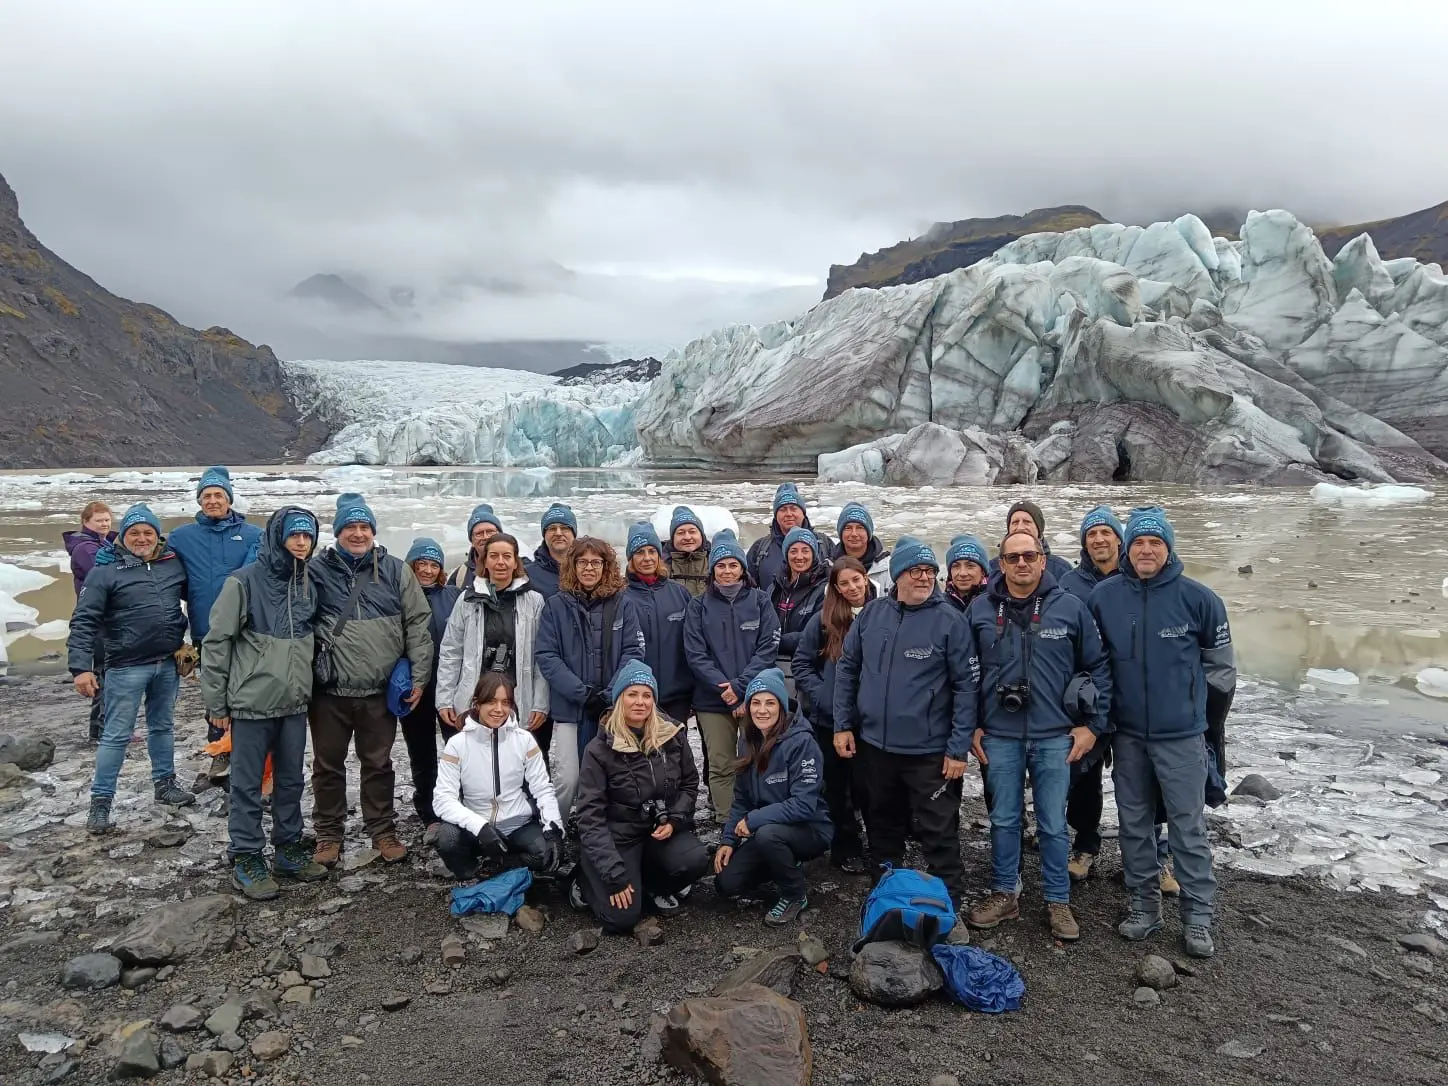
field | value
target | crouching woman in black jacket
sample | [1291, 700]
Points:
[779, 818]
[636, 791]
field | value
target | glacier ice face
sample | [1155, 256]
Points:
[415, 413]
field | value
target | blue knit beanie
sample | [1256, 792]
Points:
[425, 547]
[801, 535]
[909, 553]
[684, 515]
[483, 514]
[558, 513]
[726, 546]
[787, 494]
[768, 681]
[967, 548]
[633, 673]
[352, 509]
[1150, 520]
[641, 535]
[1101, 515]
[855, 513]
[299, 522]
[218, 477]
[140, 513]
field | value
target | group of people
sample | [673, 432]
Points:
[839, 690]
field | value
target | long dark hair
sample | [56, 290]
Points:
[836, 616]
[757, 743]
[489, 682]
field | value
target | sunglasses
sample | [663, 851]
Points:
[1020, 558]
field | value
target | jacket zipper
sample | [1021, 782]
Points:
[497, 777]
[889, 667]
[1145, 699]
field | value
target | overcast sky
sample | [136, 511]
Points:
[688, 166]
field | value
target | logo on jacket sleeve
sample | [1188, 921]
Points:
[1223, 635]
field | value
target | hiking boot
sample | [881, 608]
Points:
[1080, 866]
[1063, 922]
[393, 851]
[1137, 926]
[172, 794]
[854, 865]
[99, 819]
[429, 836]
[1169, 885]
[328, 853]
[993, 910]
[665, 904]
[250, 876]
[220, 768]
[294, 861]
[784, 911]
[575, 896]
[1197, 941]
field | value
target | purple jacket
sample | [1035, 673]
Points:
[82, 547]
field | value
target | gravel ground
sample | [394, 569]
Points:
[1309, 986]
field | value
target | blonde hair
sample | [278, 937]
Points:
[657, 731]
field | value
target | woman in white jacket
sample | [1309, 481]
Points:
[492, 629]
[490, 780]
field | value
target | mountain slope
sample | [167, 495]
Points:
[91, 379]
[1422, 235]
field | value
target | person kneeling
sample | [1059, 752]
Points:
[636, 793]
[485, 777]
[779, 818]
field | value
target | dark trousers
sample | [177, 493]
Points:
[464, 854]
[845, 796]
[544, 738]
[678, 709]
[776, 853]
[654, 868]
[285, 739]
[98, 703]
[419, 732]
[1083, 807]
[367, 725]
[909, 787]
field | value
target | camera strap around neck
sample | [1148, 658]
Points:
[1028, 634]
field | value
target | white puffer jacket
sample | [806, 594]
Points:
[460, 655]
[482, 776]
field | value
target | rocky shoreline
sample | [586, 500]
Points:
[366, 977]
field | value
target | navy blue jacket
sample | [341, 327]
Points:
[662, 608]
[1170, 646]
[766, 558]
[212, 550]
[133, 605]
[542, 572]
[959, 602]
[441, 599]
[569, 646]
[1056, 566]
[790, 791]
[814, 676]
[728, 642]
[1082, 580]
[795, 604]
[1064, 643]
[904, 682]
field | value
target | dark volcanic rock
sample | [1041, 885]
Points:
[778, 971]
[29, 752]
[752, 1036]
[89, 378]
[895, 974]
[178, 930]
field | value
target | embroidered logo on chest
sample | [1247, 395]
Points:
[924, 652]
[1055, 633]
[1174, 631]
[752, 624]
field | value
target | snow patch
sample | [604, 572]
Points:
[1433, 682]
[15, 581]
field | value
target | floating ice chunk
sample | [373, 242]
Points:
[1433, 681]
[715, 517]
[16, 617]
[15, 581]
[1388, 494]
[1333, 676]
[57, 629]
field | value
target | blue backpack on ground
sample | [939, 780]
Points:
[979, 981]
[906, 906]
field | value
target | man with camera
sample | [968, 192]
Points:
[1044, 690]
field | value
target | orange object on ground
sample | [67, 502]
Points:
[223, 746]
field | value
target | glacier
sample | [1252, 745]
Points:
[424, 413]
[1105, 353]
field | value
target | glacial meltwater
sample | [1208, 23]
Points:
[1336, 596]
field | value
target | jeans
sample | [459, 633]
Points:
[565, 762]
[1174, 773]
[1050, 782]
[125, 688]
[285, 739]
[653, 867]
[369, 726]
[464, 855]
[910, 787]
[720, 735]
[774, 852]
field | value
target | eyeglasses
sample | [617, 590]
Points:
[1020, 558]
[921, 573]
[589, 563]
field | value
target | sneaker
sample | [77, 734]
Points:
[429, 836]
[855, 865]
[328, 853]
[1169, 885]
[393, 851]
[784, 911]
[1137, 926]
[99, 819]
[295, 861]
[250, 876]
[1079, 868]
[575, 896]
[172, 794]
[220, 768]
[1197, 941]
[993, 910]
[666, 904]
[1063, 922]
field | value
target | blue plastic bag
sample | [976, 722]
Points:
[500, 894]
[979, 981]
[399, 685]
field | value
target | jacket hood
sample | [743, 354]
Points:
[471, 724]
[274, 544]
[481, 588]
[1170, 572]
[545, 559]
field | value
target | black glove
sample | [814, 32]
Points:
[489, 843]
[552, 849]
[595, 704]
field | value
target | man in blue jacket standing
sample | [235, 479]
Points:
[1173, 677]
[766, 558]
[560, 529]
[905, 702]
[1045, 686]
[217, 544]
